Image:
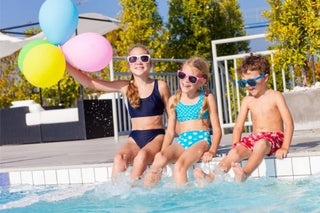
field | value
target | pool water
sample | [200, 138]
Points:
[255, 195]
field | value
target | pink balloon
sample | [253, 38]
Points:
[88, 52]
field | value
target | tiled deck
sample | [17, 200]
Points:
[90, 161]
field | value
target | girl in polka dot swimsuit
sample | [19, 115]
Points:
[192, 112]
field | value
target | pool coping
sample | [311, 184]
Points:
[302, 161]
[295, 166]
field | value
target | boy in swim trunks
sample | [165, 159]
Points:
[191, 113]
[269, 113]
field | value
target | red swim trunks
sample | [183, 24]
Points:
[275, 139]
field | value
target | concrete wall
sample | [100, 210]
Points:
[304, 105]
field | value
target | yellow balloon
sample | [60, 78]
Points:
[44, 65]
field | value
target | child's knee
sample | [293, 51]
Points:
[141, 156]
[180, 166]
[119, 158]
[263, 145]
[160, 158]
[234, 153]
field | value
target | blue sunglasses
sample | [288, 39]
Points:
[252, 82]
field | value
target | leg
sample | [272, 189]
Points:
[235, 155]
[124, 157]
[160, 161]
[145, 156]
[260, 149]
[202, 178]
[187, 159]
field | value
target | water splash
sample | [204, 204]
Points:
[35, 194]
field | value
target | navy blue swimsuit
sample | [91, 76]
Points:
[150, 106]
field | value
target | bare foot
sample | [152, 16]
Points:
[239, 174]
[201, 177]
[152, 177]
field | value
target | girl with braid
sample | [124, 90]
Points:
[147, 100]
[192, 111]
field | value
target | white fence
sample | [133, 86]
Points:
[223, 84]
[227, 91]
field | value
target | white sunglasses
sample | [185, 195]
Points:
[143, 58]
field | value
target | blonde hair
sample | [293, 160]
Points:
[202, 66]
[132, 91]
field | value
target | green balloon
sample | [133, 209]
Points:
[24, 51]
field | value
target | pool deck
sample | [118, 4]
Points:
[102, 150]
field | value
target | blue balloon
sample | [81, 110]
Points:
[58, 20]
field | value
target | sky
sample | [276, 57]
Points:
[21, 12]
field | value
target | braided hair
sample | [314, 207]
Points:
[132, 91]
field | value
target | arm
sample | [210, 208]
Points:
[288, 123]
[170, 131]
[242, 116]
[216, 129]
[165, 95]
[96, 84]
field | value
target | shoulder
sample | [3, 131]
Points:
[163, 87]
[211, 100]
[246, 100]
[210, 97]
[274, 92]
[162, 84]
[171, 99]
[275, 95]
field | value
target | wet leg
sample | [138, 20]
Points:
[235, 155]
[260, 149]
[239, 174]
[123, 158]
[202, 178]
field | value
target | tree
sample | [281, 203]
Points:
[193, 24]
[294, 28]
[14, 86]
[140, 24]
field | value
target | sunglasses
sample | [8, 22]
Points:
[252, 82]
[143, 58]
[193, 79]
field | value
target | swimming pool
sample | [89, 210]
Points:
[256, 195]
[290, 184]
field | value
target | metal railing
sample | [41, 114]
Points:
[124, 124]
[228, 92]
[223, 84]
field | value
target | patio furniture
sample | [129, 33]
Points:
[13, 127]
[94, 121]
[90, 119]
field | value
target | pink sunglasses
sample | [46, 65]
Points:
[193, 79]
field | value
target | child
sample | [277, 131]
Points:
[269, 116]
[147, 99]
[191, 112]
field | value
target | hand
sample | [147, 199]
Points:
[207, 156]
[281, 153]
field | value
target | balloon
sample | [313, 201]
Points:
[88, 51]
[23, 52]
[58, 20]
[44, 65]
